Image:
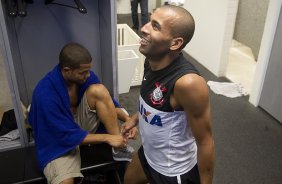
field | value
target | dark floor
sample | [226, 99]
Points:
[248, 141]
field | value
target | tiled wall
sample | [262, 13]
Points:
[250, 23]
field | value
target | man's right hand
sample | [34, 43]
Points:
[116, 141]
[129, 124]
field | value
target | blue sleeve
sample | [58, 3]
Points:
[115, 103]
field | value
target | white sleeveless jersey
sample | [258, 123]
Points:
[168, 143]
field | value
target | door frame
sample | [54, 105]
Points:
[270, 27]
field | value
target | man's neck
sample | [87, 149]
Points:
[161, 63]
[71, 86]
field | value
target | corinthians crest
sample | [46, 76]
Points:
[157, 95]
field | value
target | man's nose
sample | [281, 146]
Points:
[144, 29]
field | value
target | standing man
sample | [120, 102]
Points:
[68, 106]
[174, 2]
[174, 110]
[134, 13]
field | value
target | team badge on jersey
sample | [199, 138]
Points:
[156, 96]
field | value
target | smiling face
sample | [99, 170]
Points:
[168, 32]
[156, 35]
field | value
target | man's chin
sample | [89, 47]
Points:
[142, 51]
[80, 82]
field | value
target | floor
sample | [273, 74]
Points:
[241, 66]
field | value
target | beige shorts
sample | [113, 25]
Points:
[68, 165]
[86, 117]
[64, 167]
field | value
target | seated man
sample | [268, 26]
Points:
[67, 107]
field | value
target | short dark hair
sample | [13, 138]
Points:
[74, 54]
[184, 26]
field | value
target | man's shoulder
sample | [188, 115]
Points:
[44, 88]
[190, 81]
[190, 90]
[43, 82]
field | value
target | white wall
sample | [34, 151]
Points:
[123, 6]
[215, 22]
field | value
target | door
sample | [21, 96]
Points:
[271, 96]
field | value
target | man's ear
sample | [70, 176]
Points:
[176, 43]
[66, 69]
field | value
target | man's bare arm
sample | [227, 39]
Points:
[116, 141]
[191, 92]
[132, 134]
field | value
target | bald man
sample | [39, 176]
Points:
[174, 116]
